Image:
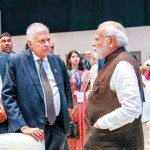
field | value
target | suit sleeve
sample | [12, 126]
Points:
[9, 97]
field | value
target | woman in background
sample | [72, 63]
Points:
[78, 81]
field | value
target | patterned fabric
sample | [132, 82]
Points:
[77, 144]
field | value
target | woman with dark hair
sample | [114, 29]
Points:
[78, 81]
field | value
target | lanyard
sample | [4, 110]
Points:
[78, 81]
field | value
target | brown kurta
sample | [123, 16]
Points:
[102, 101]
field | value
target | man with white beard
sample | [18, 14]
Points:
[115, 103]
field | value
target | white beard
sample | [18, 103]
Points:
[97, 54]
[101, 50]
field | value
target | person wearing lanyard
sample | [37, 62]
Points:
[78, 81]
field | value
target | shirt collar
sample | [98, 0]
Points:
[37, 58]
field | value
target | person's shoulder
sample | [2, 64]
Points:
[18, 55]
[124, 66]
[69, 73]
[123, 63]
[4, 53]
[55, 57]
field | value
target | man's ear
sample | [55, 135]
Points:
[111, 41]
[29, 44]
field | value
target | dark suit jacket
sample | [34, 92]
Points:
[3, 59]
[22, 93]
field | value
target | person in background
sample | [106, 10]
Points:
[3, 118]
[146, 107]
[6, 44]
[88, 56]
[93, 70]
[52, 47]
[113, 112]
[36, 89]
[78, 82]
[144, 71]
[148, 74]
[99, 60]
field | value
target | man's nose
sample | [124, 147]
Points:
[47, 43]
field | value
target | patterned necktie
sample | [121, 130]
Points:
[48, 94]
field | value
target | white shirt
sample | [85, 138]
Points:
[124, 82]
[55, 90]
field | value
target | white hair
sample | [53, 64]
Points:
[117, 30]
[35, 28]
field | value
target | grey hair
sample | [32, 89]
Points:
[35, 28]
[117, 30]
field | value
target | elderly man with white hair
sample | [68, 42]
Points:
[36, 91]
[115, 103]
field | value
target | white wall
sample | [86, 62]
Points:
[139, 40]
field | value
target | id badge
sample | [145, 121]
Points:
[80, 96]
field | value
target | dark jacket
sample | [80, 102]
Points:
[22, 93]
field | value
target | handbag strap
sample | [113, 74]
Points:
[77, 104]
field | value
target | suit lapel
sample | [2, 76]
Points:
[54, 68]
[30, 64]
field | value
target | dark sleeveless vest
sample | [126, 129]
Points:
[103, 100]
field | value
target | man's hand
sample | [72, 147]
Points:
[96, 125]
[36, 133]
[3, 116]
